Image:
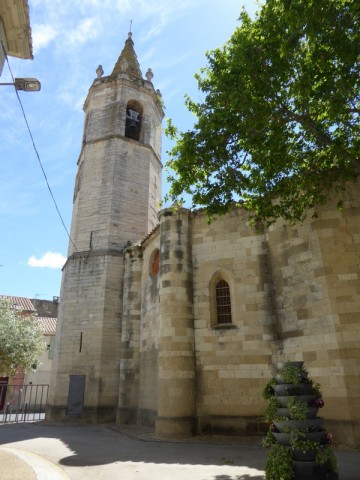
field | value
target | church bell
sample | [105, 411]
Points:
[132, 124]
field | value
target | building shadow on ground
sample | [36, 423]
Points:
[99, 445]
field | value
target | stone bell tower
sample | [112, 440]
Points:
[116, 197]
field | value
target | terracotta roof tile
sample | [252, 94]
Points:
[49, 324]
[20, 303]
[157, 227]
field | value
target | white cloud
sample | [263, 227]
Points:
[83, 32]
[42, 35]
[48, 260]
[61, 14]
[162, 13]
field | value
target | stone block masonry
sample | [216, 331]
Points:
[143, 328]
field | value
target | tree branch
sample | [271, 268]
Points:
[309, 124]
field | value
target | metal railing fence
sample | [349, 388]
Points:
[23, 403]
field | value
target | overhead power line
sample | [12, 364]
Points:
[36, 151]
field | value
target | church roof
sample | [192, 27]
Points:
[147, 236]
[127, 61]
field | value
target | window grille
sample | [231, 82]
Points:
[223, 303]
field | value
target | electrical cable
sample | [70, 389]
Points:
[36, 151]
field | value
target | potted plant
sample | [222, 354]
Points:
[316, 390]
[297, 408]
[269, 440]
[271, 409]
[279, 464]
[298, 445]
[303, 449]
[292, 372]
[326, 458]
[313, 459]
[268, 391]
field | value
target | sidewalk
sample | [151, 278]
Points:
[14, 468]
[53, 452]
[17, 464]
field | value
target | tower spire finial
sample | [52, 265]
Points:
[130, 27]
[127, 61]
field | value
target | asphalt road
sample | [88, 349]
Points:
[99, 453]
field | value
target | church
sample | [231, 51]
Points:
[172, 323]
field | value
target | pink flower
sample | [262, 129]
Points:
[326, 439]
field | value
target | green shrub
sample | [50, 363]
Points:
[298, 409]
[279, 464]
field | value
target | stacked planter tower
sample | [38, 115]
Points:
[300, 447]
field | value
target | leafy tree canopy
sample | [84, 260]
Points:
[278, 129]
[21, 340]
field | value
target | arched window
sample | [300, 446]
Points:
[223, 302]
[133, 120]
[154, 263]
[220, 294]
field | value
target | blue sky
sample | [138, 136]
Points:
[70, 39]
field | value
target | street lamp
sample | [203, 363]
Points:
[26, 84]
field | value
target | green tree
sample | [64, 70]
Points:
[278, 129]
[21, 340]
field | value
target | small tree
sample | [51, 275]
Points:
[21, 340]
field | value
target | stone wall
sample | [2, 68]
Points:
[46, 308]
[232, 361]
[317, 291]
[149, 337]
[117, 190]
[87, 340]
[176, 410]
[118, 184]
[130, 338]
[294, 295]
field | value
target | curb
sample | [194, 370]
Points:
[42, 468]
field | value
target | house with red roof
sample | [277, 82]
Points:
[45, 312]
